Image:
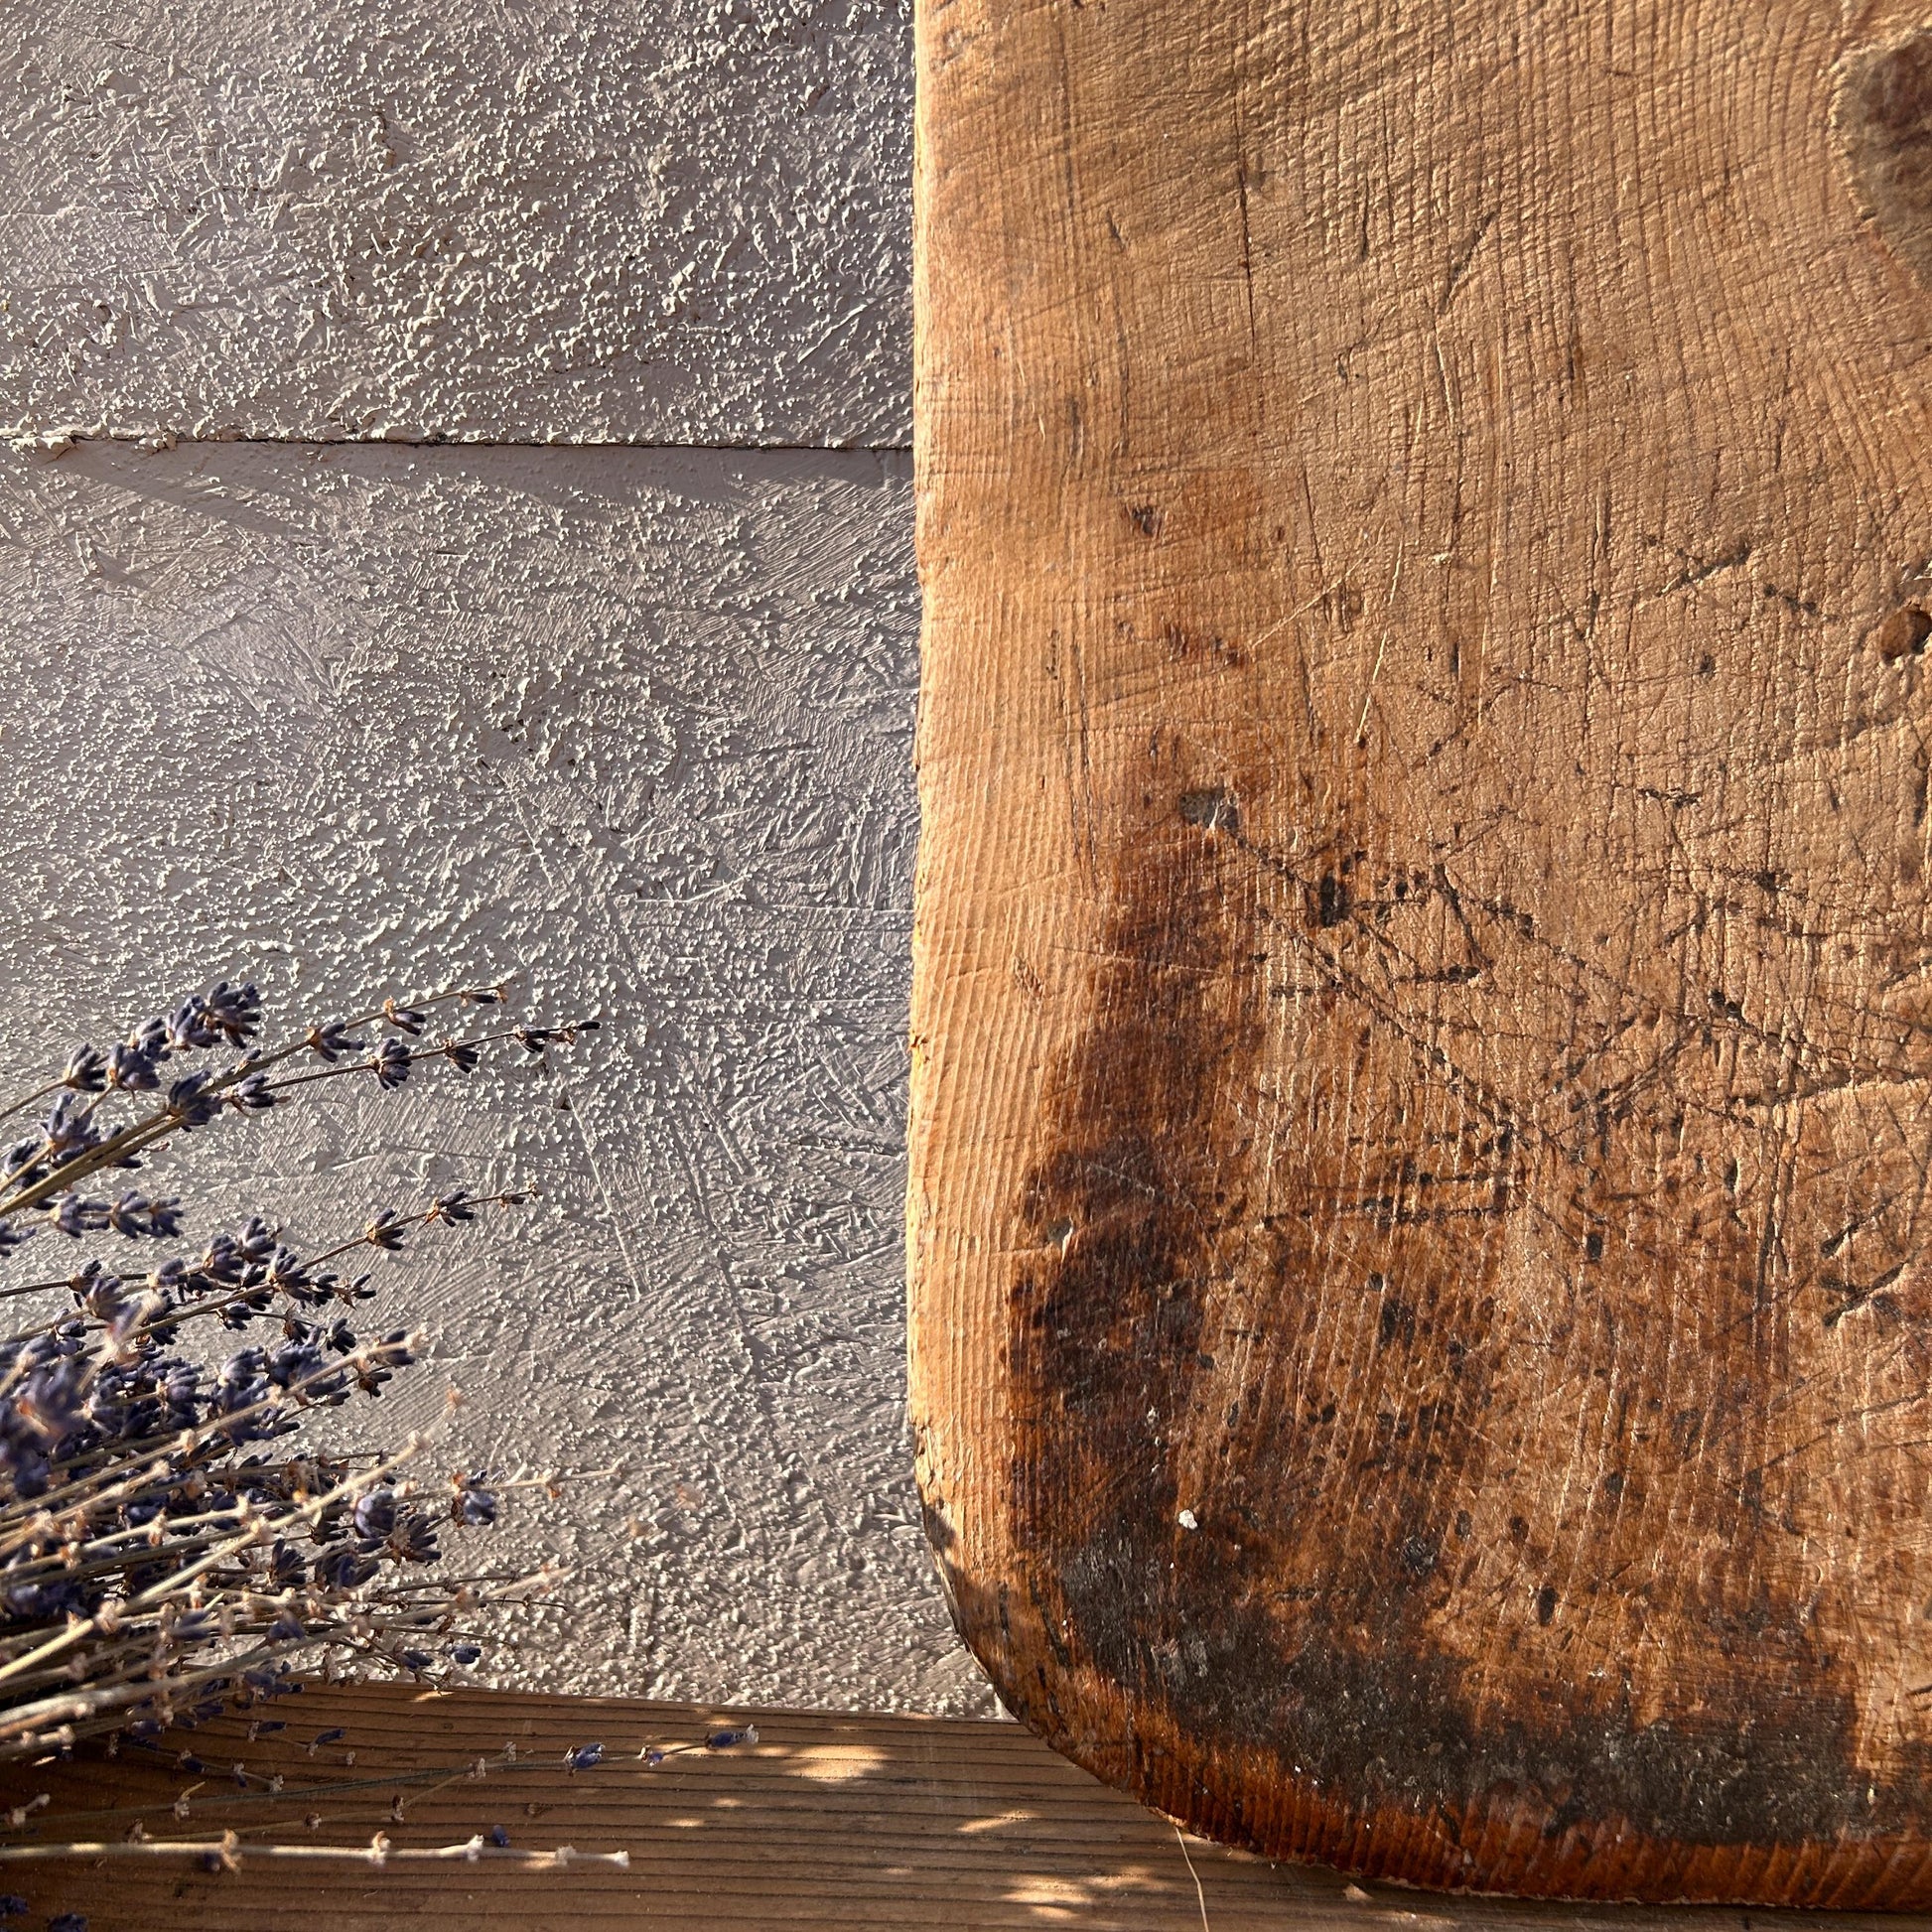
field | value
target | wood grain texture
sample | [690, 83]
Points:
[1418, 1197]
[827, 1820]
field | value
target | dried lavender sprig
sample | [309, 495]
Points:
[83, 1073]
[307, 1512]
[392, 1351]
[228, 1851]
[106, 1714]
[225, 1012]
[233, 1014]
[201, 1090]
[196, 1101]
[384, 1233]
[22, 1726]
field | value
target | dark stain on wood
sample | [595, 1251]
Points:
[1294, 1625]
[1884, 121]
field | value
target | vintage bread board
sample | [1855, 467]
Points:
[1423, 1023]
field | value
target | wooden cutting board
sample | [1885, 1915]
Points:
[1422, 1161]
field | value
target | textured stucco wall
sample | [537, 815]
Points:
[634, 724]
[680, 221]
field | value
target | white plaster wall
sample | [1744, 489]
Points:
[634, 727]
[512, 221]
[634, 724]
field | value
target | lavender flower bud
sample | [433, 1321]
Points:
[13, 1235]
[145, 1214]
[406, 1020]
[234, 1010]
[463, 1055]
[221, 1263]
[415, 1541]
[131, 1071]
[76, 1217]
[69, 1131]
[448, 1209]
[466, 1654]
[189, 1028]
[256, 1241]
[385, 1231]
[331, 1041]
[253, 1095]
[584, 1758]
[149, 1037]
[86, 1070]
[190, 1101]
[284, 1269]
[374, 1514]
[390, 1065]
[344, 1570]
[474, 1506]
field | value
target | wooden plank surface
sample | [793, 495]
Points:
[570, 221]
[826, 1819]
[1421, 1117]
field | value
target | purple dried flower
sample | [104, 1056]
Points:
[474, 1506]
[256, 1240]
[12, 1905]
[390, 1065]
[584, 1758]
[463, 1055]
[415, 1541]
[154, 1215]
[131, 1070]
[164, 1449]
[190, 1101]
[284, 1269]
[448, 1209]
[253, 1095]
[189, 1028]
[374, 1514]
[499, 1838]
[86, 1070]
[344, 1568]
[69, 1130]
[68, 1922]
[235, 1011]
[149, 1037]
[386, 1230]
[75, 1218]
[332, 1040]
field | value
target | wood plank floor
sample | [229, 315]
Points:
[825, 1819]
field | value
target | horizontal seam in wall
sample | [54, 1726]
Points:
[26, 442]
